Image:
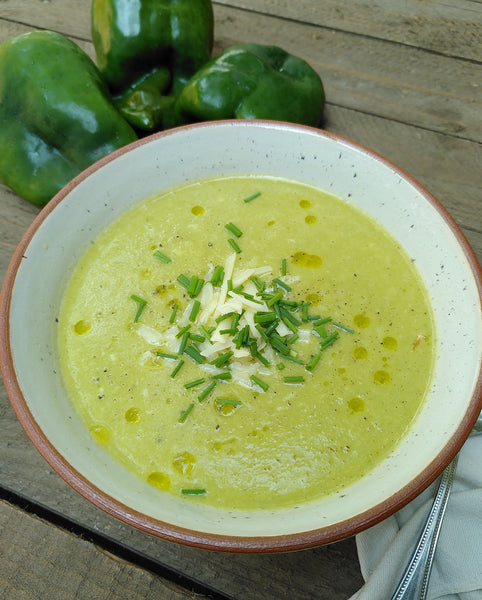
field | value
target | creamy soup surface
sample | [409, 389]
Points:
[246, 342]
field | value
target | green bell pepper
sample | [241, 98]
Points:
[56, 117]
[251, 81]
[146, 51]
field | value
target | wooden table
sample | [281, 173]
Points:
[403, 78]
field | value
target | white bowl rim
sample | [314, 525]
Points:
[281, 543]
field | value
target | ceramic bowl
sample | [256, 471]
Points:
[65, 227]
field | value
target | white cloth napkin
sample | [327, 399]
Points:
[384, 549]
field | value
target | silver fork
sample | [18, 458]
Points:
[414, 582]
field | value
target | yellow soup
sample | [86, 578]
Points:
[247, 342]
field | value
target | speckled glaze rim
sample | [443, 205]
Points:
[276, 543]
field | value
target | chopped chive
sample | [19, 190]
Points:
[279, 345]
[272, 327]
[194, 383]
[264, 317]
[230, 331]
[182, 331]
[228, 401]
[294, 379]
[184, 413]
[320, 330]
[218, 276]
[274, 299]
[311, 364]
[234, 245]
[304, 312]
[193, 492]
[319, 321]
[224, 375]
[283, 267]
[282, 284]
[342, 327]
[292, 358]
[264, 386]
[225, 316]
[280, 366]
[292, 339]
[162, 257]
[233, 229]
[194, 352]
[235, 321]
[184, 281]
[202, 396]
[262, 333]
[262, 359]
[195, 309]
[260, 285]
[205, 333]
[328, 341]
[252, 197]
[183, 343]
[165, 355]
[177, 368]
[199, 287]
[172, 318]
[230, 285]
[191, 290]
[141, 305]
[196, 337]
[221, 360]
[286, 313]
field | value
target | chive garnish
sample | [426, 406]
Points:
[194, 352]
[282, 284]
[292, 358]
[184, 413]
[264, 386]
[221, 360]
[294, 379]
[228, 401]
[265, 317]
[162, 257]
[329, 340]
[218, 276]
[280, 366]
[230, 331]
[182, 331]
[184, 281]
[177, 368]
[205, 333]
[195, 309]
[172, 318]
[272, 327]
[283, 267]
[165, 355]
[222, 376]
[311, 364]
[252, 197]
[274, 299]
[193, 492]
[233, 229]
[183, 343]
[260, 285]
[202, 396]
[141, 305]
[225, 316]
[234, 245]
[194, 383]
[191, 290]
[342, 327]
[196, 337]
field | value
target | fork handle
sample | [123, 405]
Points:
[414, 582]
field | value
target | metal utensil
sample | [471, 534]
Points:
[414, 582]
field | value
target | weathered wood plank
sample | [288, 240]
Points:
[39, 561]
[398, 82]
[452, 27]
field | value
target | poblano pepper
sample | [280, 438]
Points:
[146, 51]
[56, 117]
[252, 81]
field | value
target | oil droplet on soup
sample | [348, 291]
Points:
[184, 463]
[356, 405]
[310, 219]
[132, 415]
[100, 433]
[360, 353]
[305, 204]
[303, 259]
[389, 343]
[159, 480]
[197, 211]
[381, 377]
[82, 327]
[362, 321]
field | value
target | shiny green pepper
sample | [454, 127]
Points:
[251, 81]
[146, 51]
[56, 117]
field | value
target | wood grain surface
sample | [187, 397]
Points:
[402, 78]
